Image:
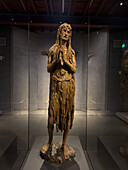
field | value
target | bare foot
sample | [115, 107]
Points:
[66, 152]
[45, 148]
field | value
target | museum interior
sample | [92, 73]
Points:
[99, 135]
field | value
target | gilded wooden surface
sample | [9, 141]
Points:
[62, 67]
[124, 70]
[124, 95]
[124, 82]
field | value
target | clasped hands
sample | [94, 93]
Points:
[61, 56]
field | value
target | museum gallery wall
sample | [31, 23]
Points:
[24, 69]
[40, 78]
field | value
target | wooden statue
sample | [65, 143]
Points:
[124, 70]
[124, 95]
[124, 82]
[61, 66]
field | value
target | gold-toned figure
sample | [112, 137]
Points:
[62, 66]
[124, 70]
[124, 95]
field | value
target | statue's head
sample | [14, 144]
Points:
[64, 33]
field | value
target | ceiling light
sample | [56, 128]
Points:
[62, 6]
[121, 3]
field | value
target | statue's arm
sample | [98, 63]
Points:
[71, 67]
[51, 64]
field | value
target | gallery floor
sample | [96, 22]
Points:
[86, 128]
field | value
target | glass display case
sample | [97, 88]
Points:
[100, 127]
[40, 43]
[107, 106]
[14, 92]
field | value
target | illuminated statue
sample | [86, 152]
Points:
[62, 66]
[124, 95]
[124, 82]
[124, 70]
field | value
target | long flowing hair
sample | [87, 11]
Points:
[64, 25]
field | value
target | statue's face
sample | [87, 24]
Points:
[65, 33]
[126, 65]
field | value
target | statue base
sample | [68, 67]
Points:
[55, 153]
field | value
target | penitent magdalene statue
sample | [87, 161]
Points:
[62, 66]
[124, 95]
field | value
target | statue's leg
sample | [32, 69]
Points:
[68, 151]
[65, 137]
[50, 130]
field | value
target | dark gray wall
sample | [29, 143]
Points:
[79, 43]
[114, 66]
[98, 46]
[84, 72]
[5, 79]
[19, 55]
[102, 69]
[39, 77]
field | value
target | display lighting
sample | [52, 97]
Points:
[62, 6]
[123, 45]
[121, 3]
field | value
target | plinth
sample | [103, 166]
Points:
[55, 153]
[35, 162]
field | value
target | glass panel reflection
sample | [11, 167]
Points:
[13, 96]
[107, 129]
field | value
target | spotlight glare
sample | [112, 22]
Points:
[123, 45]
[121, 3]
